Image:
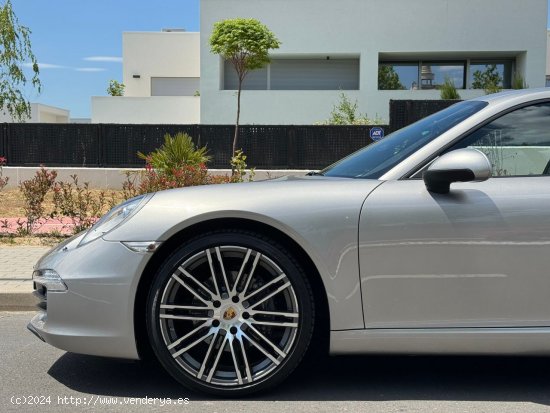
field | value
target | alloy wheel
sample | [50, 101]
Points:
[228, 315]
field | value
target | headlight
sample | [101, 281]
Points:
[114, 218]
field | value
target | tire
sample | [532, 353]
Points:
[230, 313]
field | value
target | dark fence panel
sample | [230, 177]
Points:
[318, 146]
[219, 140]
[3, 137]
[123, 142]
[52, 144]
[116, 145]
[405, 112]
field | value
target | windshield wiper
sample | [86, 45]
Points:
[315, 173]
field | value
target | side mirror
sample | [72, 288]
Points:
[461, 165]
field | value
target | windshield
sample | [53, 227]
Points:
[374, 160]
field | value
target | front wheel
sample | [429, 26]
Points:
[230, 313]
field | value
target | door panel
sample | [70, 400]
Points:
[476, 257]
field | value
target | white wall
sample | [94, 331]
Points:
[367, 28]
[158, 54]
[548, 53]
[152, 109]
[42, 114]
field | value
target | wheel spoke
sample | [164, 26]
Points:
[179, 340]
[184, 307]
[234, 356]
[274, 323]
[193, 344]
[178, 279]
[274, 313]
[245, 260]
[268, 341]
[259, 347]
[213, 272]
[246, 365]
[184, 317]
[262, 288]
[201, 285]
[219, 255]
[267, 297]
[216, 360]
[207, 355]
[251, 274]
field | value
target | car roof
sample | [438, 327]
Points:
[521, 95]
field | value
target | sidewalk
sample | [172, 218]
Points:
[16, 266]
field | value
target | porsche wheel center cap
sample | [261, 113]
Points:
[229, 314]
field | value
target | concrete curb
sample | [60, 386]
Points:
[17, 296]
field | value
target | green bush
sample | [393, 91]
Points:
[448, 90]
[346, 112]
[176, 152]
[34, 191]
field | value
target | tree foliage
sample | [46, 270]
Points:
[15, 53]
[245, 43]
[116, 88]
[488, 80]
[388, 79]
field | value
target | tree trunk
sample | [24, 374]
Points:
[236, 135]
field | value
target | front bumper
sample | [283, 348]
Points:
[96, 314]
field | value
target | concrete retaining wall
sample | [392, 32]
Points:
[112, 178]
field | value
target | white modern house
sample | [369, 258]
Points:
[333, 46]
[548, 59]
[41, 113]
[161, 72]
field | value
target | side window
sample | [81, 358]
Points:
[517, 144]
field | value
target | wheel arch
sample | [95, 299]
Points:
[322, 319]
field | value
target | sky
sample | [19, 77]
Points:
[78, 43]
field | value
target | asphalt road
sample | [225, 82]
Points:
[29, 367]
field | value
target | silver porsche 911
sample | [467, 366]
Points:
[435, 239]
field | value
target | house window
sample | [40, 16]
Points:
[174, 86]
[298, 74]
[434, 74]
[502, 69]
[396, 76]
[431, 74]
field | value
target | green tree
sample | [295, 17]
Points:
[488, 80]
[388, 79]
[246, 44]
[116, 88]
[15, 53]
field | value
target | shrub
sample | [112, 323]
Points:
[346, 113]
[176, 152]
[3, 180]
[448, 90]
[34, 191]
[518, 82]
[78, 203]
